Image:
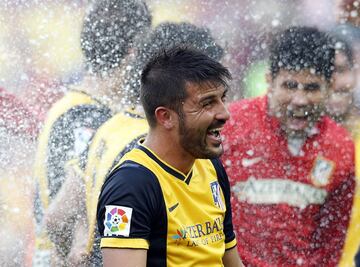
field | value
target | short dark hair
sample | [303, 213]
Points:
[108, 32]
[299, 48]
[166, 36]
[164, 78]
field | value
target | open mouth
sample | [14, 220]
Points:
[298, 119]
[299, 113]
[215, 134]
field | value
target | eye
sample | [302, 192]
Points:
[224, 98]
[290, 85]
[206, 102]
[311, 87]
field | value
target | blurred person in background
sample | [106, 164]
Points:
[291, 168]
[18, 130]
[348, 28]
[120, 134]
[341, 107]
[109, 29]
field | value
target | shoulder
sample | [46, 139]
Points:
[220, 171]
[218, 166]
[337, 134]
[113, 121]
[133, 185]
[131, 176]
[84, 117]
[87, 112]
[337, 143]
[66, 102]
[117, 136]
[126, 122]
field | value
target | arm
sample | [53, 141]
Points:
[127, 257]
[79, 253]
[60, 217]
[231, 258]
[136, 200]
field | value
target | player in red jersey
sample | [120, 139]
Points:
[291, 168]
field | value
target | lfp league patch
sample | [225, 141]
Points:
[215, 190]
[117, 221]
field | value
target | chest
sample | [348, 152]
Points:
[312, 162]
[195, 217]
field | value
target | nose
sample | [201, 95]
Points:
[223, 112]
[300, 98]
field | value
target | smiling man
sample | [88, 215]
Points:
[291, 168]
[167, 203]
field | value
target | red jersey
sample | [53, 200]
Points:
[291, 206]
[16, 117]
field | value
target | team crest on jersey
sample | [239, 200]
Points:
[215, 190]
[322, 171]
[117, 221]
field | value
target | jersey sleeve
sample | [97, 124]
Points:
[129, 204]
[230, 240]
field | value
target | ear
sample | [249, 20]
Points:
[268, 77]
[269, 80]
[164, 117]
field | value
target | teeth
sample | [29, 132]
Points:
[215, 132]
[300, 113]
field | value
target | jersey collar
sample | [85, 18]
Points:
[166, 167]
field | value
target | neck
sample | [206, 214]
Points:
[100, 89]
[169, 150]
[91, 85]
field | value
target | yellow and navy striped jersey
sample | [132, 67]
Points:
[182, 220]
[67, 130]
[112, 140]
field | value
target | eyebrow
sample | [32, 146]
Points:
[306, 86]
[213, 95]
[289, 82]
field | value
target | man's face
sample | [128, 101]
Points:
[203, 116]
[340, 99]
[296, 98]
